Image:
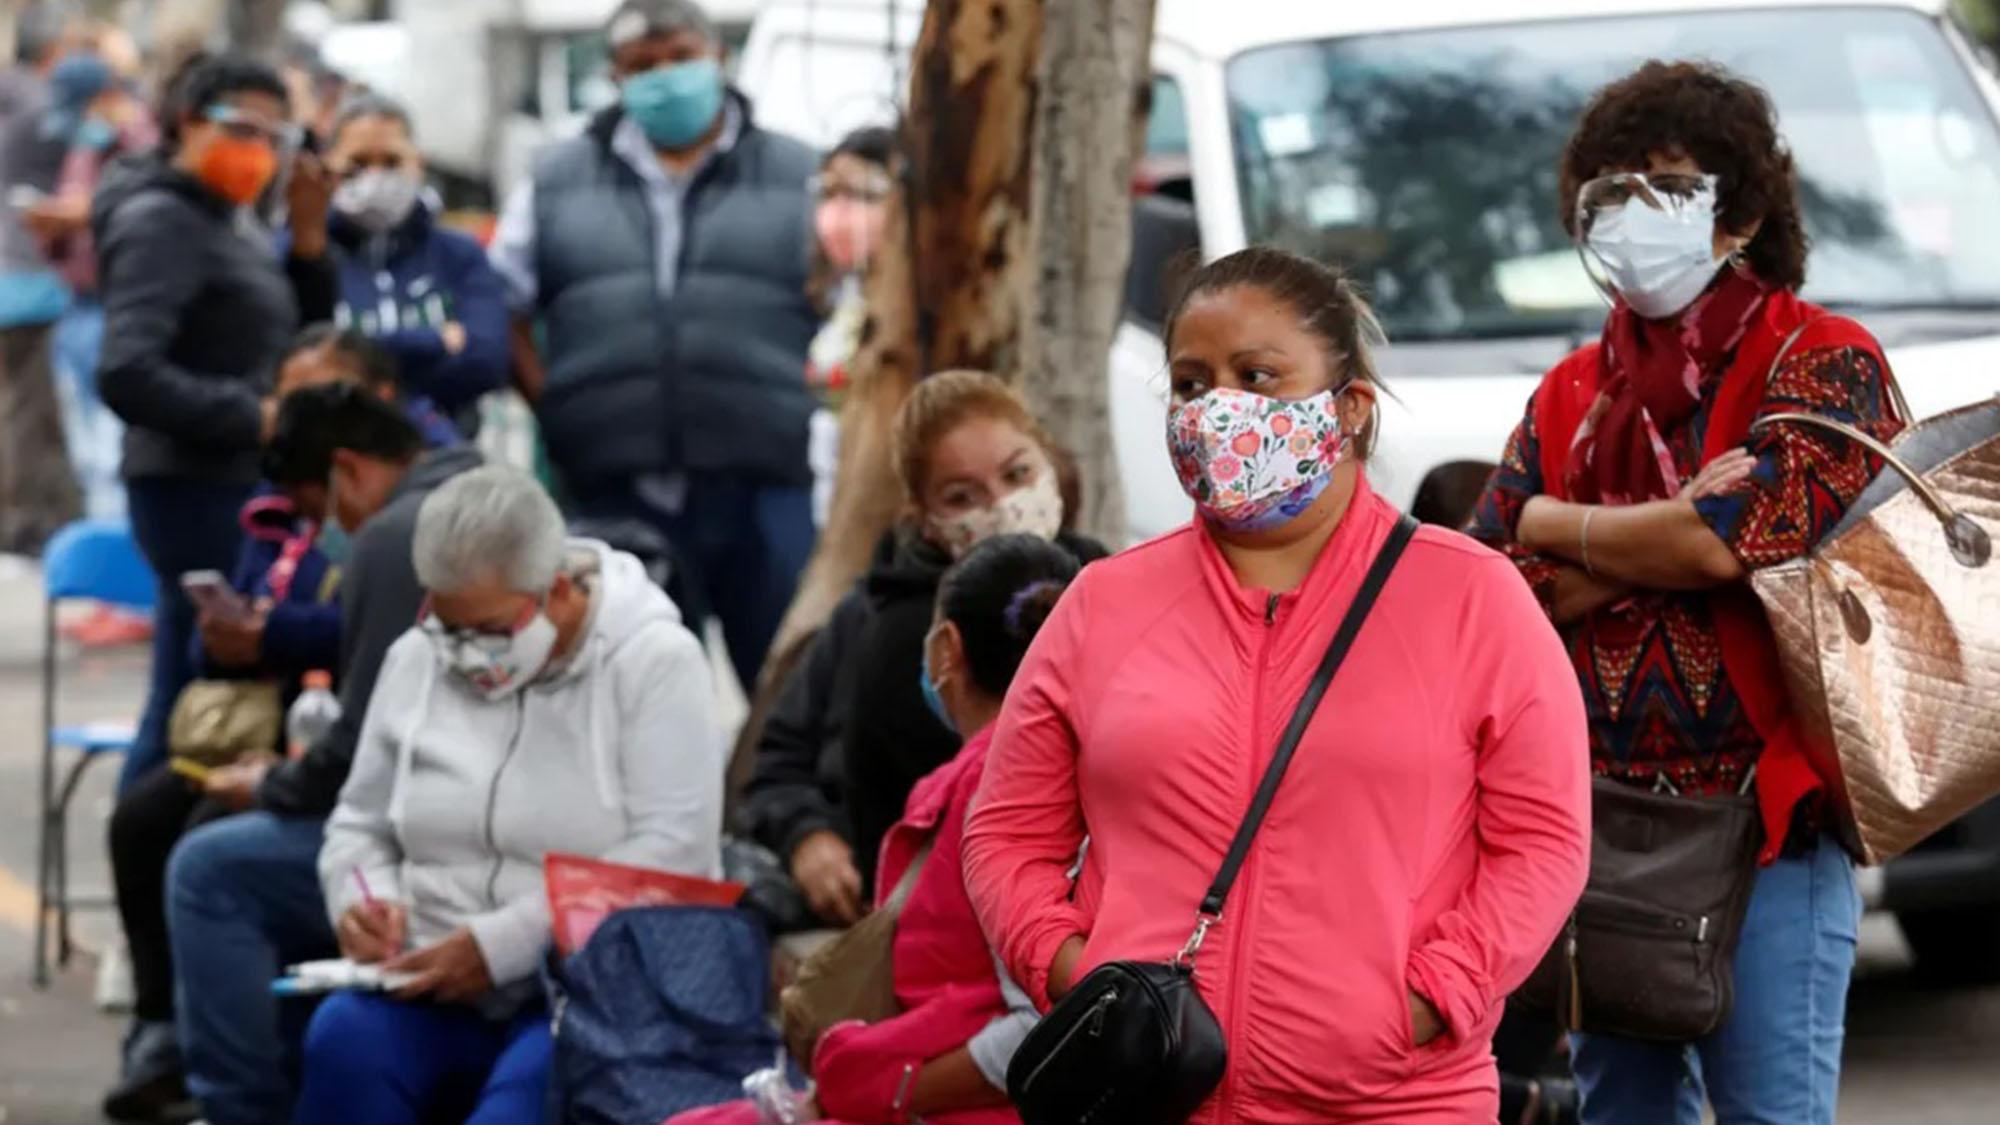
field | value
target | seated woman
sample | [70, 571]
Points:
[850, 733]
[944, 1058]
[550, 700]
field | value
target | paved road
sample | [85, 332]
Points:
[1914, 1057]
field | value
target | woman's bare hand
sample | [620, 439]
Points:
[1721, 474]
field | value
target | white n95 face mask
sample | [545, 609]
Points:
[379, 199]
[493, 666]
[1658, 259]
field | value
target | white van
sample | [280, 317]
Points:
[1416, 143]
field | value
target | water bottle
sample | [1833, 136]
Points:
[313, 713]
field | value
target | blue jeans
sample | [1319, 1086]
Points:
[180, 525]
[387, 1062]
[1776, 1060]
[738, 549]
[243, 901]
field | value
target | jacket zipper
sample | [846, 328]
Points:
[1242, 892]
[493, 798]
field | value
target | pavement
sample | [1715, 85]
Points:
[1915, 1055]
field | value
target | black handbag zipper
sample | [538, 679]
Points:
[1643, 921]
[1091, 1021]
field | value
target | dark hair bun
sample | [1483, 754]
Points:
[1030, 606]
[999, 596]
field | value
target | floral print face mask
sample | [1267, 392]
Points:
[1035, 509]
[1251, 462]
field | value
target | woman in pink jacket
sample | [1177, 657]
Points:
[944, 1058]
[1432, 832]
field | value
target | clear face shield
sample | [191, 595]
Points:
[1648, 237]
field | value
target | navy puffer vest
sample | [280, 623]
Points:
[710, 380]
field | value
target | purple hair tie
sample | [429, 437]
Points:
[1019, 602]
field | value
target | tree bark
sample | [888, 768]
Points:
[1096, 72]
[950, 287]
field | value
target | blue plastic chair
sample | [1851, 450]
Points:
[94, 559]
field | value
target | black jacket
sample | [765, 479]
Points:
[197, 316]
[379, 599]
[850, 734]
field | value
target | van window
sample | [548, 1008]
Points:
[1167, 126]
[1426, 162]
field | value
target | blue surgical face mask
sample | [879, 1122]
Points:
[95, 134]
[675, 104]
[332, 542]
[932, 698]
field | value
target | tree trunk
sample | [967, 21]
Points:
[949, 287]
[1090, 126]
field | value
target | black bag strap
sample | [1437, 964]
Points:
[1288, 744]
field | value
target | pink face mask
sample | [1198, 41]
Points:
[1251, 462]
[849, 230]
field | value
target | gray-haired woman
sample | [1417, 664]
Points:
[550, 700]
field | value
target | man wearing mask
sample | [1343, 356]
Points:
[423, 293]
[664, 253]
[243, 897]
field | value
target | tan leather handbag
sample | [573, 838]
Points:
[215, 722]
[1889, 633]
[850, 977]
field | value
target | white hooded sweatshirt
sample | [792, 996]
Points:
[454, 800]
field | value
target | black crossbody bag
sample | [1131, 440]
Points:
[1134, 1043]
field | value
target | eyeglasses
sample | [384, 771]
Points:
[489, 641]
[243, 127]
[1662, 191]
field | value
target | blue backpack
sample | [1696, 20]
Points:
[662, 1010]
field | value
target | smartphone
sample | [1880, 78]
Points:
[213, 594]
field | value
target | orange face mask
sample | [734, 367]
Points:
[237, 169]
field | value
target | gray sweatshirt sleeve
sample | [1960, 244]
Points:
[994, 1046]
[359, 836]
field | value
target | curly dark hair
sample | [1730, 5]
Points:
[1723, 123]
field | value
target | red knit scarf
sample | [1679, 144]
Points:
[1650, 383]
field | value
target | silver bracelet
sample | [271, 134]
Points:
[903, 1090]
[1583, 541]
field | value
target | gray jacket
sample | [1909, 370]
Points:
[379, 598]
[713, 379]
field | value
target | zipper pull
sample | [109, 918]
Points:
[1271, 611]
[1102, 1006]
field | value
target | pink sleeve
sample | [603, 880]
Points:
[1525, 715]
[1026, 823]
